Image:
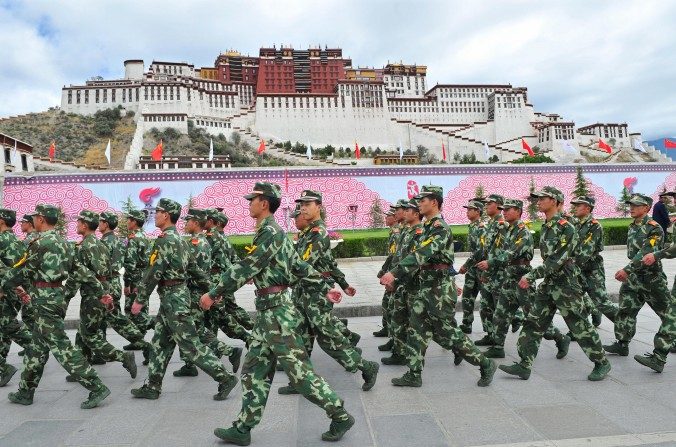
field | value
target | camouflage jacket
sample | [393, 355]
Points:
[475, 235]
[667, 253]
[395, 233]
[200, 250]
[271, 261]
[93, 256]
[589, 244]
[436, 247]
[493, 236]
[314, 247]
[170, 260]
[558, 239]
[412, 239]
[136, 257]
[116, 253]
[11, 250]
[49, 259]
[644, 237]
[515, 253]
[30, 237]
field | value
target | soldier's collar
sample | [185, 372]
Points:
[586, 219]
[431, 219]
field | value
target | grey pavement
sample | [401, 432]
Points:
[557, 406]
[361, 273]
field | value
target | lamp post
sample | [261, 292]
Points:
[353, 210]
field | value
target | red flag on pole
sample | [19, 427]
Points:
[52, 150]
[261, 147]
[443, 151]
[668, 144]
[527, 148]
[604, 146]
[357, 152]
[156, 154]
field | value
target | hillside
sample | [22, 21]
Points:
[80, 139]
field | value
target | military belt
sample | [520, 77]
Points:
[103, 278]
[436, 266]
[569, 261]
[47, 285]
[520, 262]
[270, 290]
[170, 282]
[325, 274]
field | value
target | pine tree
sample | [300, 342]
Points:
[376, 214]
[122, 228]
[60, 226]
[581, 184]
[532, 202]
[479, 191]
[622, 207]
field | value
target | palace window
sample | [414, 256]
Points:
[70, 96]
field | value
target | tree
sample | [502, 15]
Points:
[532, 202]
[122, 228]
[581, 184]
[622, 207]
[479, 191]
[376, 214]
[60, 226]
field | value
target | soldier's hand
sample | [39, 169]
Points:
[462, 270]
[23, 295]
[649, 259]
[350, 291]
[334, 296]
[127, 291]
[387, 279]
[483, 265]
[458, 290]
[107, 301]
[206, 302]
[136, 308]
[523, 283]
[621, 275]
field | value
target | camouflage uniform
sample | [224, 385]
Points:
[476, 231]
[588, 258]
[47, 264]
[11, 329]
[136, 258]
[560, 290]
[433, 307]
[646, 284]
[93, 256]
[393, 243]
[274, 265]
[668, 253]
[170, 266]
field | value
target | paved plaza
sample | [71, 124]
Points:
[557, 406]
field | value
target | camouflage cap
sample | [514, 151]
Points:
[88, 216]
[27, 218]
[512, 203]
[169, 206]
[46, 211]
[475, 205]
[401, 203]
[639, 199]
[296, 212]
[430, 190]
[389, 212]
[497, 198]
[197, 214]
[137, 215]
[412, 204]
[266, 189]
[110, 217]
[584, 200]
[7, 214]
[549, 191]
[309, 195]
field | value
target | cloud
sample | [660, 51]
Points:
[586, 60]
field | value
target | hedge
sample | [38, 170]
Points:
[361, 243]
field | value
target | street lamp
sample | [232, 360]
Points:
[353, 209]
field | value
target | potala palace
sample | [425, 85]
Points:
[315, 96]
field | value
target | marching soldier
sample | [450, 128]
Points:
[28, 229]
[470, 290]
[136, 258]
[391, 222]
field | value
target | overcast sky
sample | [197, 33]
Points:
[590, 61]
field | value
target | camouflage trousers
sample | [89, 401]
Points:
[433, 318]
[470, 291]
[175, 327]
[650, 288]
[593, 282]
[491, 289]
[387, 311]
[11, 329]
[205, 335]
[121, 323]
[143, 321]
[564, 294]
[276, 336]
[317, 322]
[402, 300]
[90, 337]
[226, 315]
[49, 335]
[511, 299]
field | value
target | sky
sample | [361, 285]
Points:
[589, 61]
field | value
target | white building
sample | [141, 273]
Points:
[17, 156]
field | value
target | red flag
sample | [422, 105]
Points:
[443, 151]
[668, 144]
[357, 152]
[261, 147]
[527, 148]
[156, 154]
[604, 146]
[52, 150]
